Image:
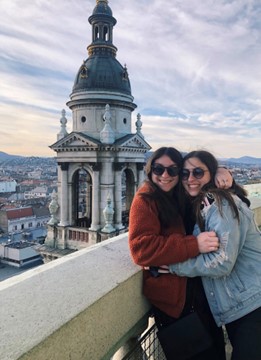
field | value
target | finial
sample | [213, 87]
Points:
[108, 213]
[63, 122]
[138, 124]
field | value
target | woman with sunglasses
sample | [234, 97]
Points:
[231, 275]
[157, 236]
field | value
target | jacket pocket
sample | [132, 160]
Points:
[233, 284]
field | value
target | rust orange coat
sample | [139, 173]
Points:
[152, 245]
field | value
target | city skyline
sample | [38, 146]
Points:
[194, 71]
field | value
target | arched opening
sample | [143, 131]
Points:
[128, 191]
[105, 33]
[82, 198]
[96, 33]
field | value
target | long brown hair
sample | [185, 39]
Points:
[167, 203]
[210, 188]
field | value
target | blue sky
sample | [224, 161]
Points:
[194, 68]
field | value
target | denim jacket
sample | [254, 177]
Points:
[231, 275]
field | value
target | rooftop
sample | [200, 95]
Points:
[18, 244]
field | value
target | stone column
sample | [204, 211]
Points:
[141, 174]
[95, 225]
[64, 195]
[118, 195]
[70, 203]
[88, 197]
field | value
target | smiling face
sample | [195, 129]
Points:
[194, 183]
[165, 182]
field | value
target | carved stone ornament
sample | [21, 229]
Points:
[53, 207]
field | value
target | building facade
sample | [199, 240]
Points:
[36, 193]
[8, 186]
[101, 162]
[23, 219]
[19, 254]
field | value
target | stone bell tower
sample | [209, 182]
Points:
[101, 162]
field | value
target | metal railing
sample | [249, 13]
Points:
[147, 347]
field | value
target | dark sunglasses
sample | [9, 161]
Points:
[159, 169]
[197, 173]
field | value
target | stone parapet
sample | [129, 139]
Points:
[85, 305]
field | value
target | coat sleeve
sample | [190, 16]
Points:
[149, 245]
[221, 262]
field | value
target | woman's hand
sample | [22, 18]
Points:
[223, 178]
[207, 242]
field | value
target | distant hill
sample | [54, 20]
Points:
[4, 156]
[248, 160]
[30, 160]
[7, 159]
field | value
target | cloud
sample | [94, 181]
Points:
[194, 69]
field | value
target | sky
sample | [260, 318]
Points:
[194, 68]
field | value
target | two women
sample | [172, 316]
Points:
[157, 236]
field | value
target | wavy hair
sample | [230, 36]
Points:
[168, 204]
[211, 190]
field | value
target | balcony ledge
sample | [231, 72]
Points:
[82, 306]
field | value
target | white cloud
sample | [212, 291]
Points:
[194, 68]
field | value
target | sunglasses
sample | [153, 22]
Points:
[159, 169]
[197, 173]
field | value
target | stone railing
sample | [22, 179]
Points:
[84, 306]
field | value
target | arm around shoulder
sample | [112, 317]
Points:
[217, 263]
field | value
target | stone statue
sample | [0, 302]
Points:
[53, 207]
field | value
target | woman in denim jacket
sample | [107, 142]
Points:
[231, 275]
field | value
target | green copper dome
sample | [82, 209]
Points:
[103, 8]
[102, 71]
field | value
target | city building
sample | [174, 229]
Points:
[38, 192]
[19, 254]
[8, 185]
[101, 162]
[23, 219]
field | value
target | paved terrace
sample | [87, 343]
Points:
[83, 306]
